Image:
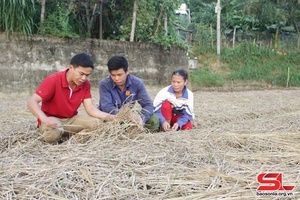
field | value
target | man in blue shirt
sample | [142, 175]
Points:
[121, 88]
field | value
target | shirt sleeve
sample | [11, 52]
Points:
[191, 104]
[185, 115]
[145, 102]
[105, 101]
[184, 119]
[158, 100]
[46, 89]
[161, 118]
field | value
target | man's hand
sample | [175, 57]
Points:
[137, 119]
[51, 122]
[111, 117]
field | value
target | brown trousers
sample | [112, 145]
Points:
[69, 127]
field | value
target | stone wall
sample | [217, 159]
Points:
[25, 62]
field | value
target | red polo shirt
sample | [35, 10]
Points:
[58, 99]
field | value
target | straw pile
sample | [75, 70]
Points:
[126, 127]
[220, 159]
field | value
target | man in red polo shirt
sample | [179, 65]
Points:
[61, 94]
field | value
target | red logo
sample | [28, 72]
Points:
[272, 182]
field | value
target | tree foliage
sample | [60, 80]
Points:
[150, 26]
[156, 20]
[17, 16]
[58, 23]
[256, 19]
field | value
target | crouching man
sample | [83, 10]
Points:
[60, 95]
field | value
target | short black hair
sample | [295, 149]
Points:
[117, 62]
[83, 60]
[181, 72]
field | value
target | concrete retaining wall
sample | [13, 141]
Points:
[26, 62]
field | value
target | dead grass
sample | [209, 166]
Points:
[238, 135]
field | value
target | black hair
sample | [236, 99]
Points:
[117, 62]
[181, 72]
[83, 60]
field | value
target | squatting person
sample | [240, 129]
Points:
[120, 88]
[60, 95]
[174, 104]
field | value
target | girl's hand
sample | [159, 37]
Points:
[175, 127]
[166, 126]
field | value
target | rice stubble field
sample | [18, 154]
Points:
[237, 136]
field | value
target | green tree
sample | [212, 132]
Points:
[256, 19]
[154, 21]
[294, 17]
[57, 22]
[17, 16]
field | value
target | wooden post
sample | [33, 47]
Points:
[100, 20]
[233, 39]
[288, 77]
[218, 9]
[43, 11]
[133, 23]
[298, 39]
[211, 35]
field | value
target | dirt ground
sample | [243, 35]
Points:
[237, 135]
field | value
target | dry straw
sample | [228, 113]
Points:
[183, 165]
[121, 160]
[125, 127]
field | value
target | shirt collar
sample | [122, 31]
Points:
[184, 92]
[65, 82]
[127, 84]
[64, 78]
